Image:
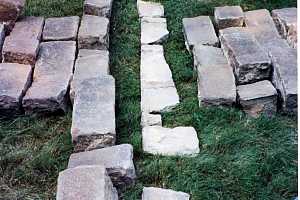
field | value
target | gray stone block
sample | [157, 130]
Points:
[229, 16]
[98, 7]
[150, 9]
[150, 120]
[153, 30]
[152, 193]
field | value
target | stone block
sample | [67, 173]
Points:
[10, 10]
[150, 119]
[152, 193]
[153, 30]
[2, 38]
[150, 9]
[100, 8]
[229, 16]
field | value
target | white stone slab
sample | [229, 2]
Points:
[150, 9]
[150, 120]
[152, 193]
[153, 30]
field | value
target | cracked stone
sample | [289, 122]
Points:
[153, 30]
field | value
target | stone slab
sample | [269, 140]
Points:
[258, 98]
[93, 121]
[150, 119]
[14, 82]
[199, 30]
[10, 10]
[152, 193]
[98, 7]
[229, 16]
[153, 30]
[61, 28]
[118, 161]
[85, 182]
[179, 141]
[150, 9]
[93, 33]
[52, 75]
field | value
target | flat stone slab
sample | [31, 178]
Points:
[52, 75]
[248, 59]
[229, 16]
[89, 64]
[153, 30]
[199, 30]
[150, 9]
[179, 141]
[14, 82]
[10, 10]
[152, 193]
[93, 119]
[93, 33]
[98, 7]
[216, 82]
[85, 182]
[258, 98]
[61, 28]
[150, 119]
[118, 161]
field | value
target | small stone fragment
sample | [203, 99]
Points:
[152, 193]
[153, 30]
[150, 9]
[100, 8]
[150, 119]
[61, 28]
[229, 16]
[179, 141]
[93, 33]
[118, 161]
[85, 183]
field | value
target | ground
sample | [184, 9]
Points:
[241, 158]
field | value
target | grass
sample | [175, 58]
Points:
[241, 158]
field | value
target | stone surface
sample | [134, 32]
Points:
[61, 28]
[153, 30]
[292, 37]
[216, 82]
[258, 98]
[85, 183]
[199, 30]
[98, 7]
[152, 193]
[14, 82]
[10, 10]
[229, 16]
[248, 59]
[150, 119]
[89, 64]
[93, 33]
[118, 161]
[179, 141]
[93, 121]
[2, 37]
[52, 75]
[150, 9]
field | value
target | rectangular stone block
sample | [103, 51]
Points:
[118, 161]
[248, 59]
[152, 193]
[93, 33]
[150, 9]
[150, 120]
[153, 30]
[51, 79]
[10, 10]
[93, 121]
[14, 82]
[229, 16]
[199, 30]
[98, 7]
[85, 182]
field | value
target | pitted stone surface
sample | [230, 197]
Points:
[85, 183]
[150, 9]
[118, 161]
[179, 141]
[93, 33]
[98, 7]
[229, 16]
[150, 119]
[153, 30]
[14, 82]
[152, 193]
[61, 28]
[199, 30]
[10, 10]
[52, 75]
[258, 98]
[93, 122]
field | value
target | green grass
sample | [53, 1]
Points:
[241, 158]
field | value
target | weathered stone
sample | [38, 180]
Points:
[52, 75]
[292, 37]
[98, 7]
[179, 141]
[61, 28]
[85, 182]
[118, 161]
[2, 37]
[150, 9]
[216, 82]
[199, 30]
[89, 64]
[152, 193]
[153, 30]
[150, 119]
[229, 16]
[93, 123]
[249, 61]
[93, 33]
[10, 10]
[14, 82]
[258, 98]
